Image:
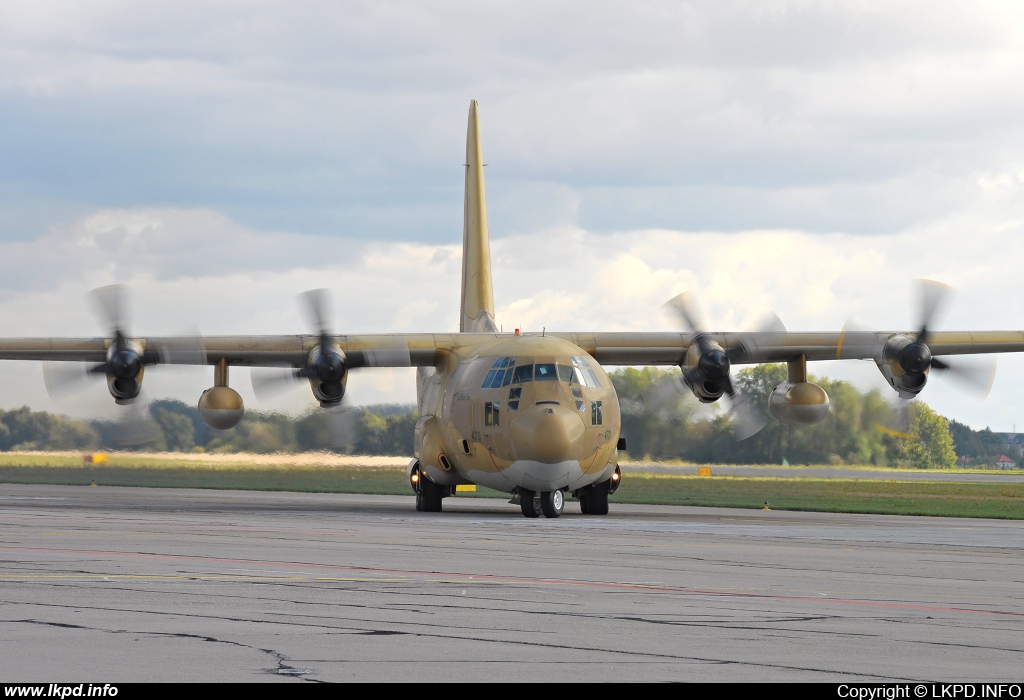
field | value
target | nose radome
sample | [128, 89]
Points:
[547, 433]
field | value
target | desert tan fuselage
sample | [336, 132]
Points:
[520, 411]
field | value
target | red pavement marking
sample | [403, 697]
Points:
[517, 579]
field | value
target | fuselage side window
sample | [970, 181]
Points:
[596, 414]
[545, 372]
[492, 412]
[524, 373]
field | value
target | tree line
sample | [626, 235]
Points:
[173, 426]
[861, 428]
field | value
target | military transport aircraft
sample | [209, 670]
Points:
[533, 415]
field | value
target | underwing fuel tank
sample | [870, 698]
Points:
[801, 403]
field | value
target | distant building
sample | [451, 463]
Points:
[1004, 462]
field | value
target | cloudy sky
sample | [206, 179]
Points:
[221, 157]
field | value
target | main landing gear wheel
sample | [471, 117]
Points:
[552, 502]
[428, 498]
[594, 499]
[530, 502]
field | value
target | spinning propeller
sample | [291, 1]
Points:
[327, 371]
[710, 377]
[912, 353]
[123, 367]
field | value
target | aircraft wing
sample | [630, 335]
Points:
[385, 350]
[782, 346]
[426, 349]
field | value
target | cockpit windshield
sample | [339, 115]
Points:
[506, 371]
[524, 373]
[545, 372]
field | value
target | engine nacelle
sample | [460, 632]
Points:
[329, 376]
[706, 392]
[800, 403]
[909, 380]
[124, 390]
[907, 385]
[124, 369]
[221, 407]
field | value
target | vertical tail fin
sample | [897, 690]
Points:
[477, 313]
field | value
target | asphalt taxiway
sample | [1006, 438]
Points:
[118, 584]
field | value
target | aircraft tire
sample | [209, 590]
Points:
[552, 503]
[584, 497]
[430, 496]
[530, 503]
[598, 498]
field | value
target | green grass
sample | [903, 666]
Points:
[941, 498]
[963, 499]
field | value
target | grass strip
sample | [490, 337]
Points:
[890, 497]
[843, 495]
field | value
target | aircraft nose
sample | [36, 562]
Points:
[547, 433]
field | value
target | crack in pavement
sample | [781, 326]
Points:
[283, 668]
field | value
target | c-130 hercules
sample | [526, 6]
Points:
[533, 415]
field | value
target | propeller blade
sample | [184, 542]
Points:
[856, 341]
[342, 427]
[393, 352]
[662, 396]
[135, 426]
[65, 379]
[932, 297]
[317, 305]
[271, 382]
[684, 308]
[186, 348]
[975, 375]
[898, 422]
[111, 307]
[746, 421]
[770, 332]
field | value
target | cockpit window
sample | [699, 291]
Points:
[499, 377]
[524, 373]
[542, 371]
[545, 371]
[584, 375]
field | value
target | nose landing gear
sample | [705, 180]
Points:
[533, 503]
